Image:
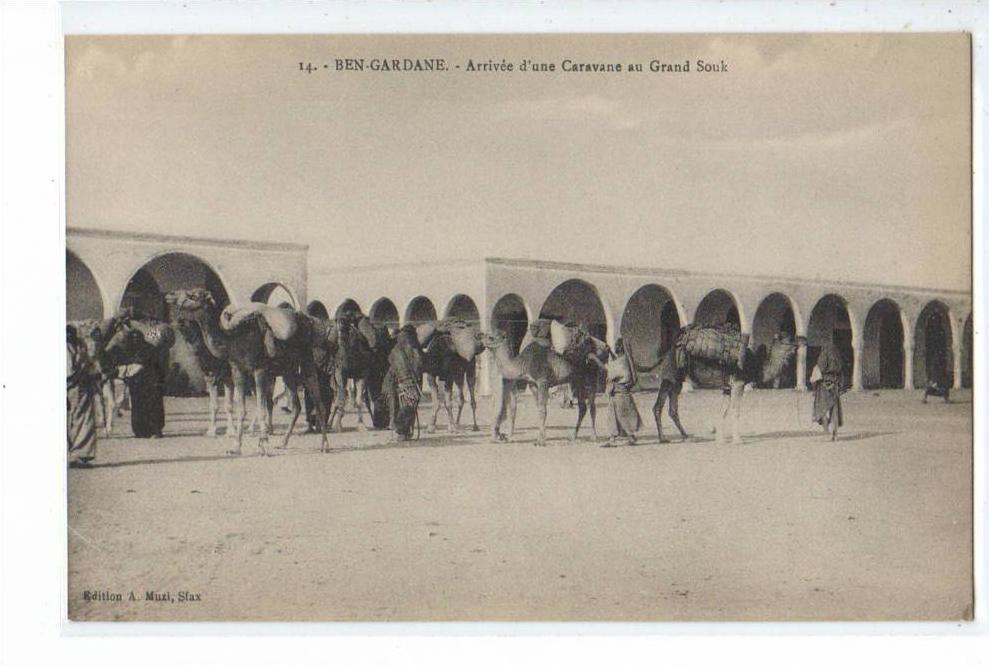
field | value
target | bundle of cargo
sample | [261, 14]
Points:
[562, 336]
[282, 322]
[723, 344]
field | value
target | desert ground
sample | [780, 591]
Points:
[786, 526]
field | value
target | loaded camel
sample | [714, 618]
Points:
[706, 350]
[450, 361]
[539, 368]
[246, 339]
[358, 346]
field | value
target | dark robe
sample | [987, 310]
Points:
[82, 384]
[402, 384]
[828, 389]
[147, 394]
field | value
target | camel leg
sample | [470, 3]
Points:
[228, 391]
[719, 428]
[675, 411]
[292, 382]
[339, 403]
[737, 393]
[457, 389]
[448, 401]
[435, 390]
[542, 398]
[262, 392]
[581, 411]
[657, 413]
[214, 407]
[593, 409]
[108, 401]
[311, 381]
[513, 407]
[360, 389]
[240, 408]
[471, 379]
[496, 435]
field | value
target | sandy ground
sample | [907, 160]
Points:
[785, 526]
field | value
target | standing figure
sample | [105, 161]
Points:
[402, 383]
[623, 416]
[145, 379]
[83, 387]
[827, 379]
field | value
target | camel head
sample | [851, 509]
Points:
[779, 355]
[191, 301]
[494, 340]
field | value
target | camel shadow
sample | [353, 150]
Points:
[812, 434]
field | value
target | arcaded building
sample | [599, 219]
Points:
[891, 336]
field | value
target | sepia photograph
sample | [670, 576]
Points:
[649, 327]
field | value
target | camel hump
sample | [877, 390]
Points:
[282, 322]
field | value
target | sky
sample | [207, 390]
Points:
[835, 157]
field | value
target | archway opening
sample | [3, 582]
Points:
[419, 311]
[649, 325]
[774, 317]
[384, 312]
[83, 298]
[510, 317]
[349, 307]
[275, 294]
[145, 293]
[463, 307]
[829, 321]
[318, 310]
[577, 302]
[716, 309]
[882, 348]
[933, 352]
[967, 353]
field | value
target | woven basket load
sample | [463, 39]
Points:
[716, 345]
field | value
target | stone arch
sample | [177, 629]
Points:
[882, 346]
[145, 293]
[170, 271]
[383, 311]
[933, 349]
[463, 307]
[777, 315]
[420, 309]
[577, 301]
[83, 296]
[510, 316]
[719, 307]
[967, 353]
[318, 310]
[649, 324]
[348, 307]
[831, 320]
[275, 294]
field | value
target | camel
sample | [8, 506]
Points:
[216, 372]
[764, 365]
[251, 349]
[537, 367]
[356, 346]
[450, 361]
[587, 356]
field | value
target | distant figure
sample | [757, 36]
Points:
[938, 386]
[827, 379]
[623, 416]
[83, 387]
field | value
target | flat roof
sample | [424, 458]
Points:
[191, 240]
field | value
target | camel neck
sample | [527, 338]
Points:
[209, 328]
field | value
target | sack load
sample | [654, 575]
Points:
[717, 345]
[562, 336]
[424, 332]
[281, 321]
